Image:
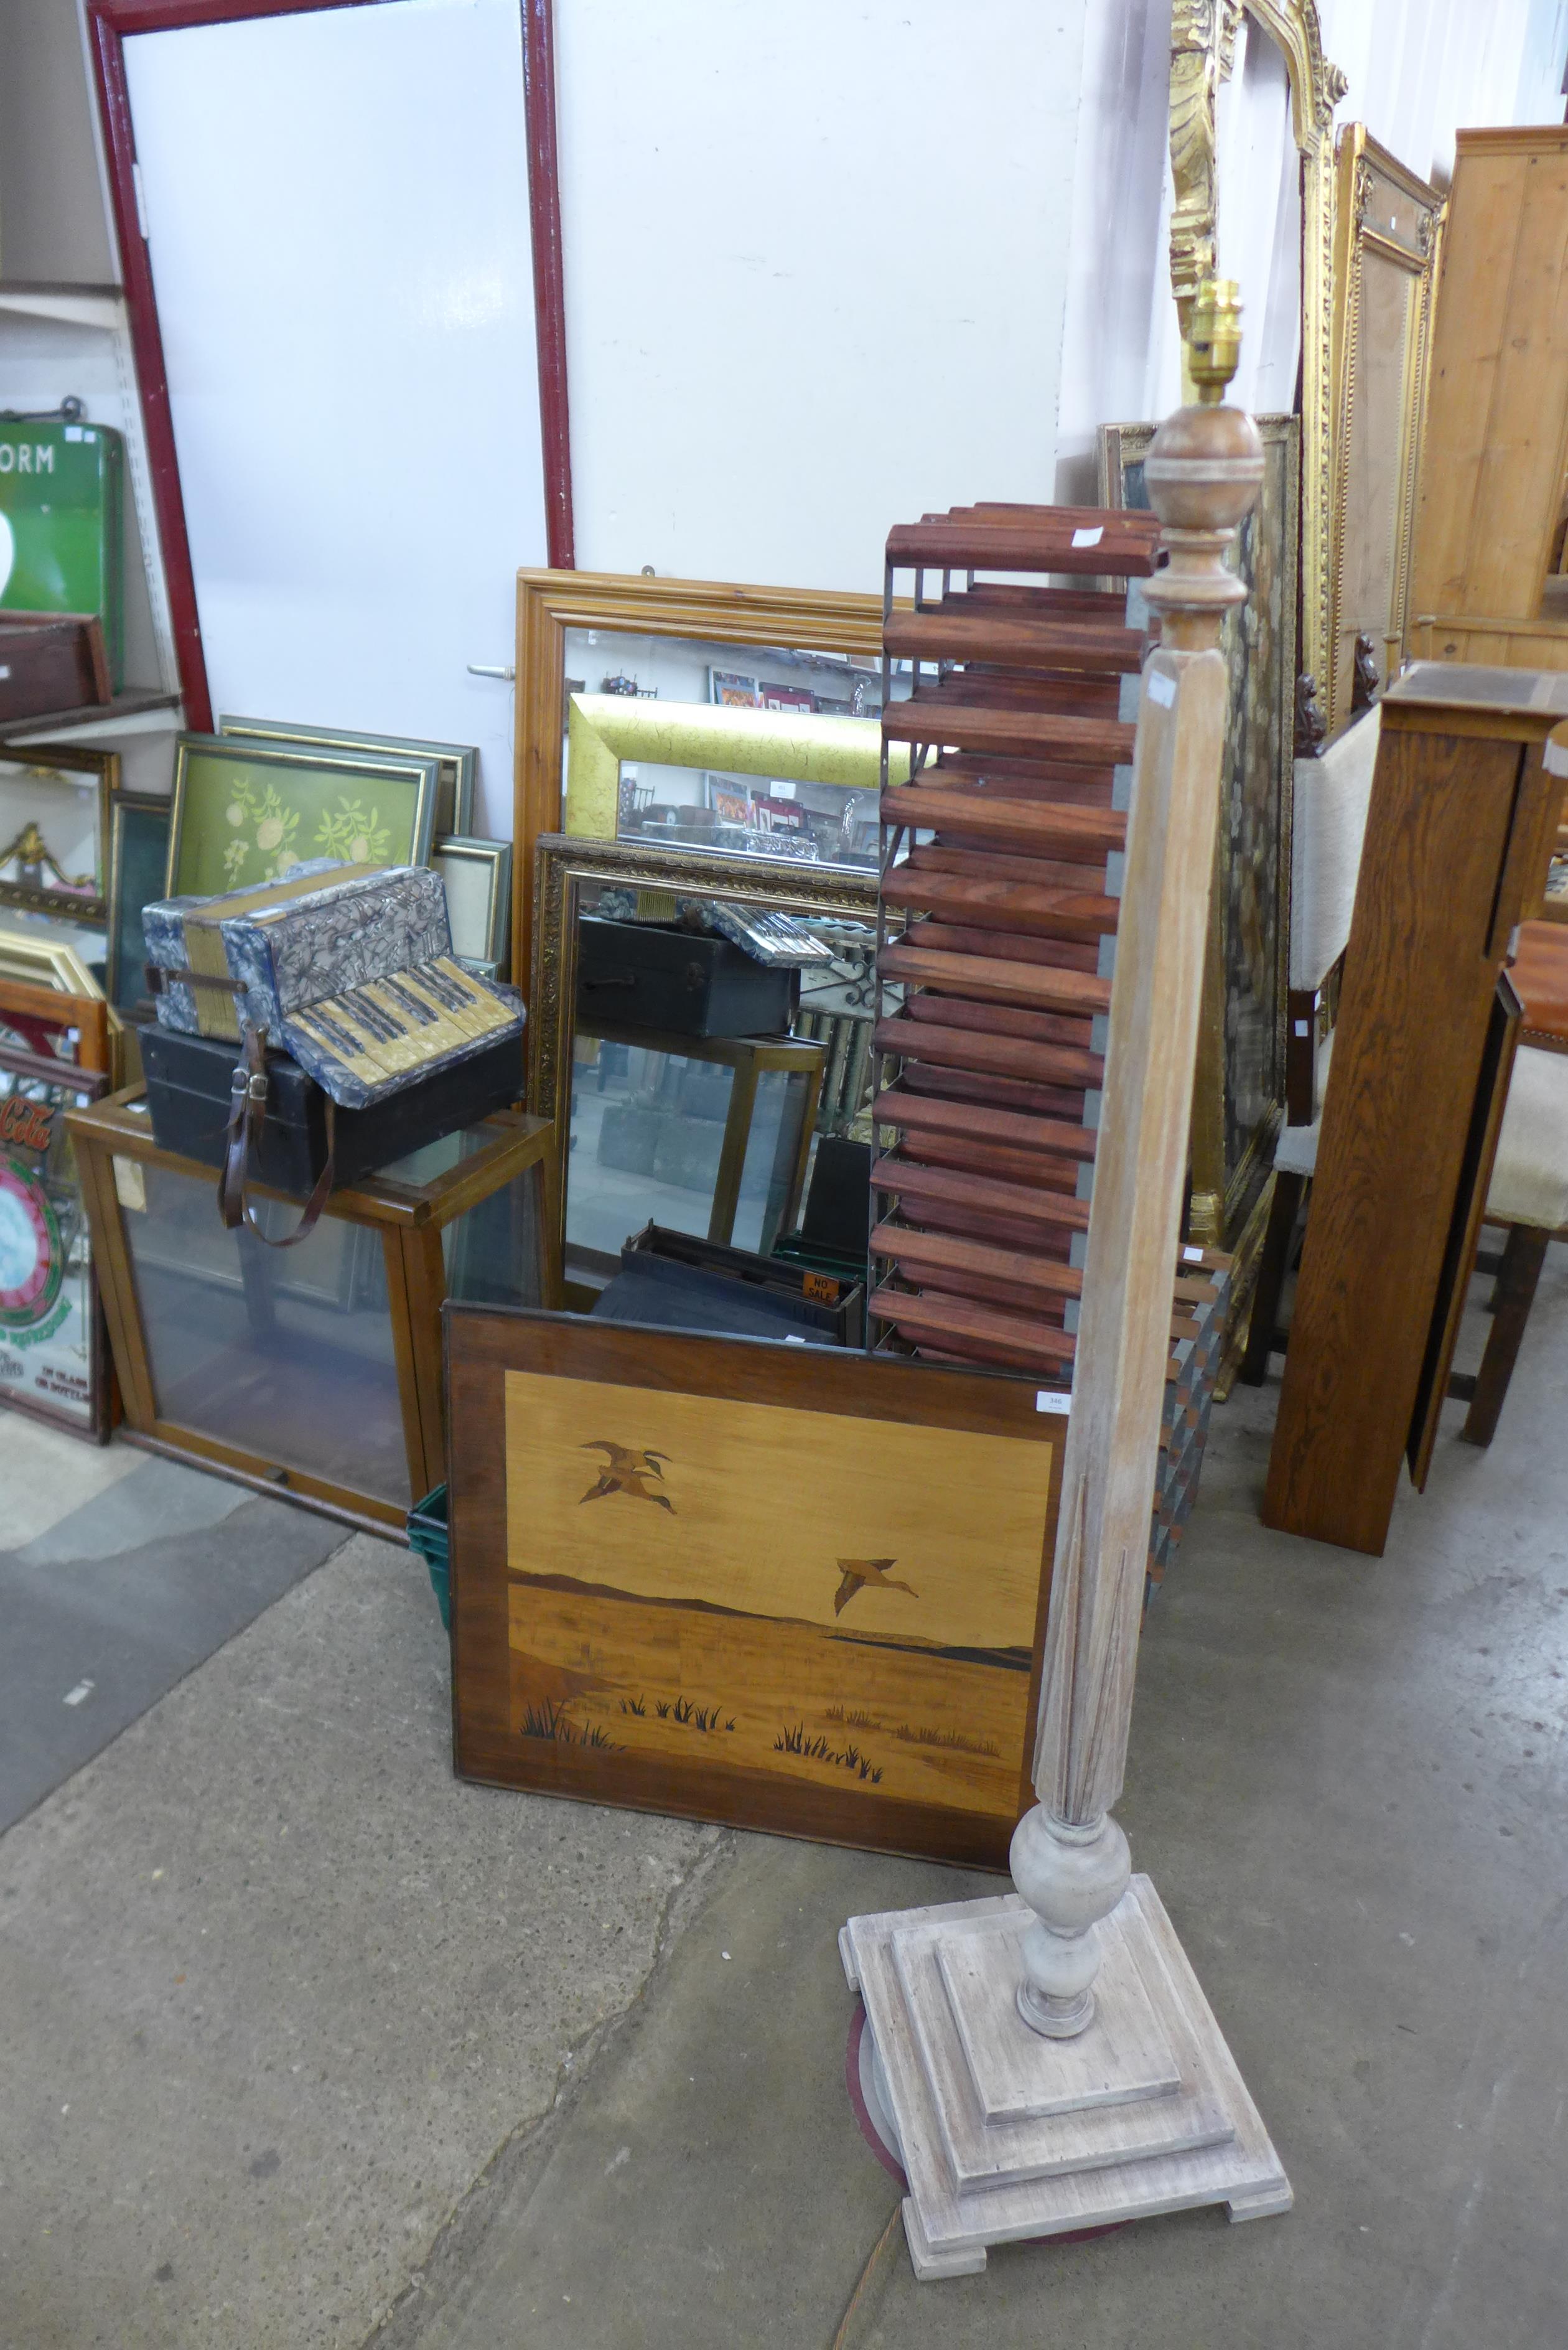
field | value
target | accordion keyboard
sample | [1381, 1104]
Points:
[387, 1027]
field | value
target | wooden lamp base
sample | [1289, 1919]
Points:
[1006, 2135]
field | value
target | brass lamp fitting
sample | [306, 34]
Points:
[1214, 341]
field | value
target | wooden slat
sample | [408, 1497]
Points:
[1030, 640]
[1133, 522]
[923, 1182]
[991, 1158]
[931, 718]
[1037, 1276]
[967, 1048]
[1013, 1338]
[991, 980]
[991, 864]
[1106, 604]
[993, 1231]
[933, 937]
[1085, 834]
[975, 544]
[894, 1105]
[1022, 779]
[1036, 1100]
[1007, 1020]
[1082, 913]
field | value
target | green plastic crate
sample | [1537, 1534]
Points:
[428, 1534]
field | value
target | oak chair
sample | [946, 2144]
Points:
[1527, 1194]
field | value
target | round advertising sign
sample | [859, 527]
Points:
[32, 1260]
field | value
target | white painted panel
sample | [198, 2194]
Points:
[815, 258]
[338, 213]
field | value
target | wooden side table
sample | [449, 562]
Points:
[316, 1369]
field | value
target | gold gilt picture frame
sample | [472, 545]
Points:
[1387, 241]
[1239, 1086]
[565, 867]
[711, 611]
[54, 848]
[37, 959]
[478, 878]
[1202, 50]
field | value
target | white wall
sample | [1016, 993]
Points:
[815, 261]
[1419, 69]
[53, 226]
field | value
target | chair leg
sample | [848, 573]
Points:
[1524, 1255]
[1272, 1263]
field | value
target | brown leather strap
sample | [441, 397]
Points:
[158, 981]
[247, 1116]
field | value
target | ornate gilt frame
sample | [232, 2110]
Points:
[563, 864]
[71, 762]
[1202, 40]
[718, 611]
[1385, 213]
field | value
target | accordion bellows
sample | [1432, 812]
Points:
[347, 967]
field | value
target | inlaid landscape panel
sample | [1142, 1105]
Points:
[769, 1612]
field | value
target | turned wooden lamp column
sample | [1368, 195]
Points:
[1050, 2062]
[1069, 1857]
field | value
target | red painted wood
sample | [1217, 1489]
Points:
[549, 282]
[147, 343]
[108, 23]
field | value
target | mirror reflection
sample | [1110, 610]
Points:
[786, 767]
[718, 1043]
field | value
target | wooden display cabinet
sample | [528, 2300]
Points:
[1487, 585]
[314, 1369]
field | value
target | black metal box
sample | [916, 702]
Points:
[686, 983]
[189, 1081]
[675, 1281]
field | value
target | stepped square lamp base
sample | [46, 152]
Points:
[1006, 2135]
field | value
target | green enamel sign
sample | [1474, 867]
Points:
[60, 527]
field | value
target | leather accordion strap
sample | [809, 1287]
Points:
[247, 1116]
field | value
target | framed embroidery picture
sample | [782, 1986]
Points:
[459, 762]
[52, 1356]
[247, 812]
[788, 1587]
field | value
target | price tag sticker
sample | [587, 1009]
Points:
[1089, 537]
[1161, 688]
[1052, 1399]
[131, 1184]
[1192, 1256]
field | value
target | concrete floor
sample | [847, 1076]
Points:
[303, 2044]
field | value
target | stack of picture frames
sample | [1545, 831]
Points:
[262, 796]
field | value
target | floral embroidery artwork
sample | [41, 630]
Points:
[262, 847]
[354, 833]
[254, 816]
[265, 843]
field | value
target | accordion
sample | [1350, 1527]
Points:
[349, 968]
